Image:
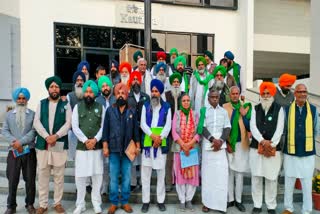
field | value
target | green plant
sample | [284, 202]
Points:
[316, 183]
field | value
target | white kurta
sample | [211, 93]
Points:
[160, 161]
[259, 164]
[299, 167]
[214, 172]
[87, 163]
[239, 160]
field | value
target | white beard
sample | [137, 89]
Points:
[201, 71]
[78, 92]
[219, 84]
[162, 77]
[21, 116]
[172, 60]
[175, 91]
[124, 79]
[155, 101]
[266, 103]
[87, 76]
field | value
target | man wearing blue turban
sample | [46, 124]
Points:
[87, 124]
[84, 66]
[18, 130]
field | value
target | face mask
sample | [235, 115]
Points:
[136, 88]
[121, 101]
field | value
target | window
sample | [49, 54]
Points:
[96, 37]
[68, 35]
[123, 36]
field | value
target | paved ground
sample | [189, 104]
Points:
[171, 208]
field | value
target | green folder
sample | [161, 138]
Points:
[156, 131]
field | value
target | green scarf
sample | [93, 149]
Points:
[204, 82]
[235, 122]
[236, 74]
[186, 83]
[185, 111]
[201, 120]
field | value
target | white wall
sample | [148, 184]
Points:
[10, 8]
[37, 36]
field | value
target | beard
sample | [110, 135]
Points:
[266, 103]
[136, 88]
[106, 92]
[113, 73]
[121, 102]
[180, 70]
[162, 77]
[172, 60]
[201, 71]
[175, 91]
[219, 84]
[88, 100]
[54, 96]
[124, 79]
[78, 91]
[285, 91]
[21, 115]
[155, 101]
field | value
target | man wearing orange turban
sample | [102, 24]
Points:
[284, 95]
[125, 70]
[266, 124]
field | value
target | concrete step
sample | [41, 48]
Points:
[136, 197]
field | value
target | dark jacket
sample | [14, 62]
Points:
[132, 103]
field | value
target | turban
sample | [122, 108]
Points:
[123, 87]
[201, 59]
[209, 54]
[76, 75]
[24, 91]
[92, 85]
[158, 84]
[174, 51]
[102, 80]
[180, 59]
[161, 65]
[175, 75]
[287, 80]
[83, 63]
[52, 79]
[136, 54]
[229, 55]
[270, 86]
[114, 63]
[136, 74]
[125, 65]
[161, 54]
[222, 70]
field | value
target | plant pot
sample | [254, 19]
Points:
[298, 185]
[316, 200]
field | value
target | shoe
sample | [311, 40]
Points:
[59, 209]
[271, 211]
[10, 211]
[189, 206]
[89, 189]
[145, 207]
[240, 207]
[287, 212]
[161, 207]
[41, 210]
[30, 209]
[97, 210]
[127, 208]
[112, 209]
[79, 210]
[230, 204]
[133, 188]
[205, 209]
[182, 207]
[256, 210]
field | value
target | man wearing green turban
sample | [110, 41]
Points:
[87, 125]
[179, 65]
[210, 64]
[106, 98]
[136, 56]
[200, 82]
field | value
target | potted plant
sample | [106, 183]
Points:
[316, 191]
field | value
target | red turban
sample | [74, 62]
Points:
[287, 80]
[125, 65]
[134, 74]
[121, 86]
[161, 54]
[270, 86]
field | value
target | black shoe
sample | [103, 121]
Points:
[30, 209]
[132, 188]
[145, 207]
[271, 211]
[161, 207]
[10, 211]
[256, 210]
[89, 189]
[230, 204]
[240, 207]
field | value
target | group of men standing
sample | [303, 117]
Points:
[163, 114]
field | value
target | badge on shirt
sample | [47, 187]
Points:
[65, 107]
[130, 116]
[96, 110]
[269, 118]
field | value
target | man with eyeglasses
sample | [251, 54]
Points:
[266, 124]
[299, 148]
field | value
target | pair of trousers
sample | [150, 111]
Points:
[146, 172]
[28, 165]
[185, 192]
[270, 192]
[169, 168]
[119, 164]
[95, 194]
[306, 191]
[235, 186]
